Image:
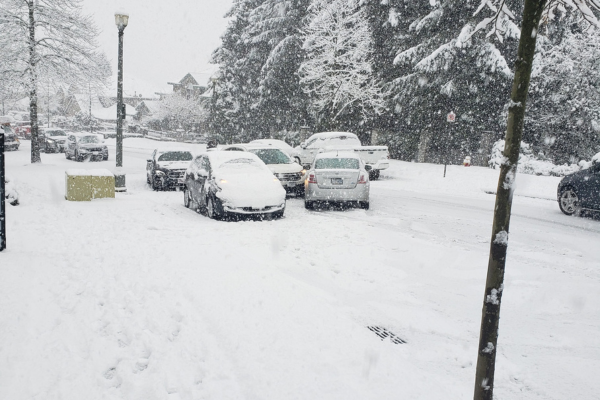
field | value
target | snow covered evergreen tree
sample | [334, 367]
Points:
[282, 104]
[438, 69]
[50, 38]
[563, 113]
[336, 73]
[233, 110]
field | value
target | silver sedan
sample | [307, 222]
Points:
[337, 177]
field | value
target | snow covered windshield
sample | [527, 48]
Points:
[56, 133]
[337, 163]
[272, 156]
[89, 139]
[176, 156]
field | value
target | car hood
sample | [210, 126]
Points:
[173, 164]
[58, 138]
[285, 168]
[91, 145]
[250, 190]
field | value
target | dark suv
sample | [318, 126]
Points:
[85, 145]
[55, 140]
[580, 191]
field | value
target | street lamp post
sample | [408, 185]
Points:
[121, 20]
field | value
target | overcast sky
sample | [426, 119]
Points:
[164, 40]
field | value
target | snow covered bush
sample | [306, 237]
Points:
[12, 196]
[529, 163]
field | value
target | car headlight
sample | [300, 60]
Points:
[51, 141]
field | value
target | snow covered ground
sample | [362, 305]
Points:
[140, 298]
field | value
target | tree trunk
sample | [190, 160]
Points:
[35, 139]
[488, 337]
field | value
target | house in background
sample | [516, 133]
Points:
[189, 86]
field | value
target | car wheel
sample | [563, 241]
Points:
[568, 202]
[374, 174]
[309, 205]
[186, 197]
[364, 205]
[148, 179]
[67, 155]
[157, 183]
[211, 212]
[76, 156]
[278, 214]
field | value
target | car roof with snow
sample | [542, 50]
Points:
[330, 135]
[270, 142]
[219, 157]
[177, 150]
[337, 154]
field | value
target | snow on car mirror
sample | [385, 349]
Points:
[368, 167]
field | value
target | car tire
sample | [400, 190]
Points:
[374, 175]
[364, 205]
[148, 179]
[186, 198]
[211, 211]
[67, 155]
[568, 202]
[76, 156]
[309, 205]
[156, 184]
[278, 214]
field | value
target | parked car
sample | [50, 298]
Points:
[290, 173]
[280, 144]
[580, 191]
[23, 129]
[11, 141]
[55, 140]
[375, 156]
[225, 184]
[85, 145]
[166, 168]
[337, 177]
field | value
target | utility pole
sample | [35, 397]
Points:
[121, 20]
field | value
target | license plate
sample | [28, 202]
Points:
[337, 181]
[179, 180]
[95, 153]
[291, 184]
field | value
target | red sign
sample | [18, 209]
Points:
[451, 117]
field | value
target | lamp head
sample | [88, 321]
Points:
[121, 20]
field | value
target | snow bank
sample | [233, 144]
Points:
[12, 196]
[530, 164]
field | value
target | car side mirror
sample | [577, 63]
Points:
[368, 168]
[149, 161]
[307, 166]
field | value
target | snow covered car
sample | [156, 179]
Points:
[337, 177]
[11, 141]
[580, 191]
[375, 156]
[85, 145]
[290, 173]
[280, 144]
[166, 168]
[225, 184]
[55, 140]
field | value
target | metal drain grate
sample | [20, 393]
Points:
[383, 333]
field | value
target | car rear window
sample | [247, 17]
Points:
[176, 156]
[337, 163]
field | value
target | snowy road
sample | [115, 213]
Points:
[139, 297]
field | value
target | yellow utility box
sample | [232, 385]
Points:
[85, 185]
[103, 184]
[78, 185]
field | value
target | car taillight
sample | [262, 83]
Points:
[312, 178]
[362, 179]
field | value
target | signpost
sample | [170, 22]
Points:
[450, 118]
[2, 194]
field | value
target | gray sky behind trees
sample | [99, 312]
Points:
[164, 39]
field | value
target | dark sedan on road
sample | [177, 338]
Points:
[580, 191]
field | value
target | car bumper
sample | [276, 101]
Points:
[314, 193]
[231, 209]
[381, 164]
